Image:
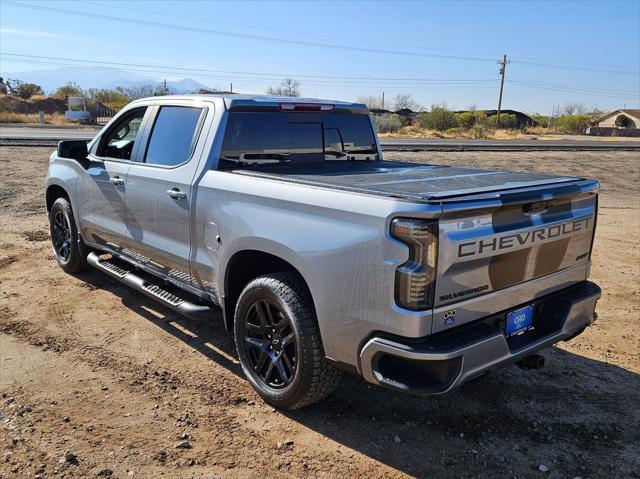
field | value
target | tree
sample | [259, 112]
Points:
[24, 90]
[622, 121]
[575, 108]
[595, 112]
[69, 89]
[288, 87]
[142, 90]
[405, 102]
[117, 98]
[373, 102]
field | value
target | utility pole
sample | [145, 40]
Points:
[231, 90]
[164, 86]
[503, 66]
[383, 100]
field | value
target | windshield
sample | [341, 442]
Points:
[298, 138]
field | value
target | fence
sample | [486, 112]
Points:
[612, 131]
[102, 113]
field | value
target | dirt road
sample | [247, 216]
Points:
[98, 381]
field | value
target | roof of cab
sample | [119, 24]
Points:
[257, 101]
[238, 100]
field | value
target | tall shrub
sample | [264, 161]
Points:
[573, 123]
[507, 121]
[387, 122]
[439, 118]
[622, 121]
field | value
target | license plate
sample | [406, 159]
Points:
[519, 321]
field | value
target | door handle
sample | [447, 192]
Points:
[116, 180]
[176, 194]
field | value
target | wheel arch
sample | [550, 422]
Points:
[55, 191]
[246, 265]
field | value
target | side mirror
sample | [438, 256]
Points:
[74, 149]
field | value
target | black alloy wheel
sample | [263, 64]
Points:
[61, 235]
[270, 343]
[69, 249]
[278, 341]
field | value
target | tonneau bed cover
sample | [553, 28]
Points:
[408, 181]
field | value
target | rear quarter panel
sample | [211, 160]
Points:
[338, 241]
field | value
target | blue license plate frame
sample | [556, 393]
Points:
[519, 321]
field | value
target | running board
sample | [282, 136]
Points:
[162, 296]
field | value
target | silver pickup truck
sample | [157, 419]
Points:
[323, 256]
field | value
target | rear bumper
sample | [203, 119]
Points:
[447, 360]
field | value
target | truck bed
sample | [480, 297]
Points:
[408, 181]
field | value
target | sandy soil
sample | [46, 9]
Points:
[98, 381]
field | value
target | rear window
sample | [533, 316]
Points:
[297, 138]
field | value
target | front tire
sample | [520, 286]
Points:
[69, 249]
[278, 342]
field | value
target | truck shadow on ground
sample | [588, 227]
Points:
[575, 416]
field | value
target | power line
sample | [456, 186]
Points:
[280, 30]
[254, 77]
[142, 67]
[571, 90]
[565, 66]
[336, 79]
[139, 22]
[248, 79]
[573, 87]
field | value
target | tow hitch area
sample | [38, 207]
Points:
[535, 361]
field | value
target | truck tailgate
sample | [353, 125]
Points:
[492, 242]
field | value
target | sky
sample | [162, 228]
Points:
[560, 52]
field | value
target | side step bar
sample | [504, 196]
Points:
[164, 297]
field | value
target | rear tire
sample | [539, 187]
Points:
[278, 342]
[69, 249]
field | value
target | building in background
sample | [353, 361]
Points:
[608, 120]
[623, 122]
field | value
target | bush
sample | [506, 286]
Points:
[622, 121]
[439, 118]
[506, 121]
[469, 119]
[479, 131]
[466, 120]
[387, 122]
[573, 123]
[541, 120]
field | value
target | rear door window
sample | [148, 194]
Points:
[174, 135]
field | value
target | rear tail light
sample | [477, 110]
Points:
[415, 279]
[291, 106]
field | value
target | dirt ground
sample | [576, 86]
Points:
[99, 381]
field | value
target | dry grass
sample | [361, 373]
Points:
[413, 131]
[51, 119]
[538, 130]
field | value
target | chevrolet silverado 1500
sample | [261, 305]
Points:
[323, 256]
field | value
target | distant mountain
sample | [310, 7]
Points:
[50, 80]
